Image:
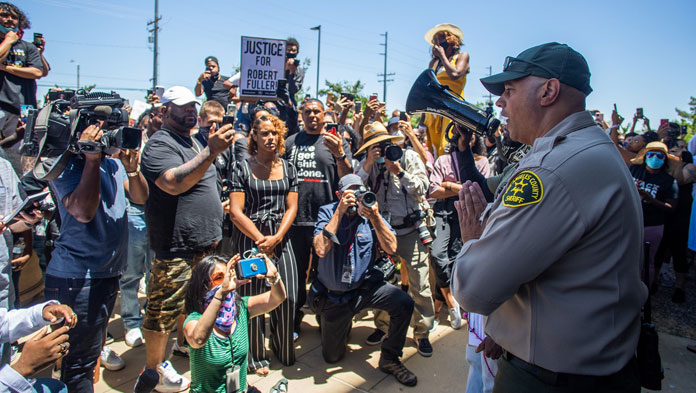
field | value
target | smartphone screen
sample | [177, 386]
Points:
[403, 116]
[332, 128]
[373, 96]
[227, 120]
[358, 107]
[38, 38]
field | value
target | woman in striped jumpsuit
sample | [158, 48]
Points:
[263, 205]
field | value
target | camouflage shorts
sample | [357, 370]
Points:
[166, 292]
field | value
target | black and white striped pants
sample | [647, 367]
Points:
[282, 318]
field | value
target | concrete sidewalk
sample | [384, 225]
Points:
[445, 371]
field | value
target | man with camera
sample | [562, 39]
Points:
[215, 86]
[346, 238]
[399, 179]
[92, 248]
[554, 261]
[184, 221]
[321, 158]
[20, 65]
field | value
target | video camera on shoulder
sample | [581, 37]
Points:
[53, 133]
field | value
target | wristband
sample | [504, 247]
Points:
[133, 174]
[341, 158]
[276, 281]
[401, 174]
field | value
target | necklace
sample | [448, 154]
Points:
[264, 165]
[191, 144]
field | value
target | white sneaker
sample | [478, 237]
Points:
[142, 286]
[134, 337]
[455, 318]
[179, 350]
[170, 381]
[436, 323]
[110, 360]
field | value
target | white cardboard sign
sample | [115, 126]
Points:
[263, 64]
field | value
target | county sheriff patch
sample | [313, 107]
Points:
[524, 189]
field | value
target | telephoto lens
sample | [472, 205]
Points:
[424, 234]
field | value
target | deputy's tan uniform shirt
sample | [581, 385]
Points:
[557, 268]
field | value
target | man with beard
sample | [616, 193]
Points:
[346, 238]
[321, 158]
[184, 220]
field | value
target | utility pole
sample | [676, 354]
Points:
[318, 29]
[385, 75]
[489, 109]
[78, 74]
[153, 40]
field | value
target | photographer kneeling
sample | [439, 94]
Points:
[346, 237]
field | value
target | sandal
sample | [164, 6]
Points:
[263, 371]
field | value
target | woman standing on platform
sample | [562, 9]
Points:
[451, 68]
[263, 207]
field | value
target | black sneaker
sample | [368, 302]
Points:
[424, 347]
[679, 296]
[399, 371]
[376, 337]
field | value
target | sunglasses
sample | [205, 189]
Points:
[509, 61]
[655, 154]
[217, 278]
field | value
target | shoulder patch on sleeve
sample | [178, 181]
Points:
[524, 189]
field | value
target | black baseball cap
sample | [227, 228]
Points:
[211, 58]
[550, 60]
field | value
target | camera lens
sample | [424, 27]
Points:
[368, 199]
[393, 153]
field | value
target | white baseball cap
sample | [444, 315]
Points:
[179, 96]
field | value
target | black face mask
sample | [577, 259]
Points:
[204, 132]
[291, 55]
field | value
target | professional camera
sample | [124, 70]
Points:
[390, 151]
[53, 133]
[365, 197]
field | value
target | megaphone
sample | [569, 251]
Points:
[427, 95]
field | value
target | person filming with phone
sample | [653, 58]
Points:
[215, 86]
[347, 236]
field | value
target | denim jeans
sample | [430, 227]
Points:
[92, 300]
[48, 385]
[139, 262]
[480, 379]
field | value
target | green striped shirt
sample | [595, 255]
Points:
[209, 363]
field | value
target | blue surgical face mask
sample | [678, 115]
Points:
[5, 30]
[654, 162]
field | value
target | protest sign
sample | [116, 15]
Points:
[263, 64]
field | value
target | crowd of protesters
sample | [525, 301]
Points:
[284, 182]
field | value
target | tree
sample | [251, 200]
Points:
[354, 88]
[688, 118]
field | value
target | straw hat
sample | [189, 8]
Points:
[653, 146]
[375, 133]
[448, 27]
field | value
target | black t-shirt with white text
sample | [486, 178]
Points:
[190, 221]
[317, 174]
[660, 185]
[16, 91]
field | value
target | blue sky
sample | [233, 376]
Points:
[641, 53]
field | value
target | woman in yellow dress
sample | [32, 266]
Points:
[451, 68]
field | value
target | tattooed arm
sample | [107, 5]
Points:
[180, 179]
